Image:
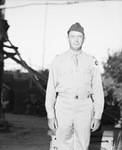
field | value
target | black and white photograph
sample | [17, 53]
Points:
[60, 74]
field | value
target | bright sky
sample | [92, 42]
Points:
[40, 30]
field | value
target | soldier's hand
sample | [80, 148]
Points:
[95, 124]
[52, 124]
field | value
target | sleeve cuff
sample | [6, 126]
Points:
[50, 114]
[97, 115]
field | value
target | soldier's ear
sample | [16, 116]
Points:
[84, 39]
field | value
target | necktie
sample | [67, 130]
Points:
[76, 60]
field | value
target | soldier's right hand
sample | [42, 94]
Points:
[52, 124]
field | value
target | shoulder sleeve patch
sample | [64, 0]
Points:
[95, 61]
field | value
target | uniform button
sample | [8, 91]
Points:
[76, 96]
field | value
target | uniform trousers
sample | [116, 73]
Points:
[74, 122]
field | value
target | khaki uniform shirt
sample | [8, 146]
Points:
[72, 76]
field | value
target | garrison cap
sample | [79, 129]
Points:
[76, 27]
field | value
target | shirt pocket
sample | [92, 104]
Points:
[65, 72]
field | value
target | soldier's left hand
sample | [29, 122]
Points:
[95, 124]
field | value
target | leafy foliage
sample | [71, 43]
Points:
[113, 67]
[112, 81]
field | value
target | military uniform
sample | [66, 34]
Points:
[74, 95]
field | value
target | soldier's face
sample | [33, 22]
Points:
[76, 40]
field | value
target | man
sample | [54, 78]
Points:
[74, 97]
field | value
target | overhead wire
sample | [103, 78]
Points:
[54, 2]
[41, 3]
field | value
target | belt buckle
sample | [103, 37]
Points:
[76, 97]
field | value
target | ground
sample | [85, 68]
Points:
[30, 133]
[26, 133]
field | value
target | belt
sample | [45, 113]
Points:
[70, 96]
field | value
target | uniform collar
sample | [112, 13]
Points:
[72, 53]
